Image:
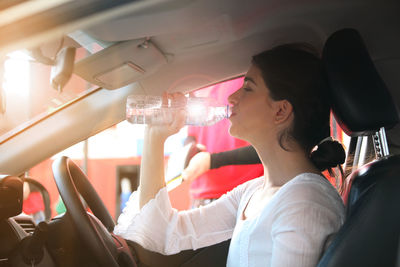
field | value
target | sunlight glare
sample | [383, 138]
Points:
[196, 109]
[16, 75]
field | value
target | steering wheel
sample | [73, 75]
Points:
[96, 235]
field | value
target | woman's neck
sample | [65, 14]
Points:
[280, 166]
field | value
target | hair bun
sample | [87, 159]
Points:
[328, 154]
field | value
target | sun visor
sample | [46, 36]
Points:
[121, 64]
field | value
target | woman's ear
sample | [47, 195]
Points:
[283, 111]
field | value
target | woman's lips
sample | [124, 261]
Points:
[232, 111]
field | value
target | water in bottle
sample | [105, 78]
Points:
[200, 111]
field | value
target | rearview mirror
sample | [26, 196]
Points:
[62, 69]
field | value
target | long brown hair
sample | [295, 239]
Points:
[294, 72]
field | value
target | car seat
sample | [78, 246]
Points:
[362, 105]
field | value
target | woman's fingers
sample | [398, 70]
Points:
[164, 99]
[178, 100]
[179, 120]
[174, 115]
[178, 104]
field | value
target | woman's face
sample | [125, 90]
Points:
[254, 111]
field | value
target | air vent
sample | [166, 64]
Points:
[26, 224]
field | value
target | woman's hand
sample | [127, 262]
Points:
[199, 164]
[177, 108]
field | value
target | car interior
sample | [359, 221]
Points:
[96, 53]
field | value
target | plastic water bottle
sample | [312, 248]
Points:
[200, 111]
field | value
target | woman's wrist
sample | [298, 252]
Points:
[155, 134]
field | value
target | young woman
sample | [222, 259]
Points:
[284, 218]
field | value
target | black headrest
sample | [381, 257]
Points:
[362, 103]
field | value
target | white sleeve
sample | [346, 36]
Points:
[301, 228]
[160, 228]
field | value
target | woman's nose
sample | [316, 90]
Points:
[233, 98]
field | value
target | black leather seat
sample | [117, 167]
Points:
[363, 106]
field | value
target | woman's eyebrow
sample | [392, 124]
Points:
[249, 79]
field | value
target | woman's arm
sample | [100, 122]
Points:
[160, 228]
[204, 161]
[242, 155]
[152, 165]
[152, 168]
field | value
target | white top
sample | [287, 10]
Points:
[292, 229]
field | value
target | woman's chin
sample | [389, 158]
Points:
[233, 131]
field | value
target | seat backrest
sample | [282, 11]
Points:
[363, 105]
